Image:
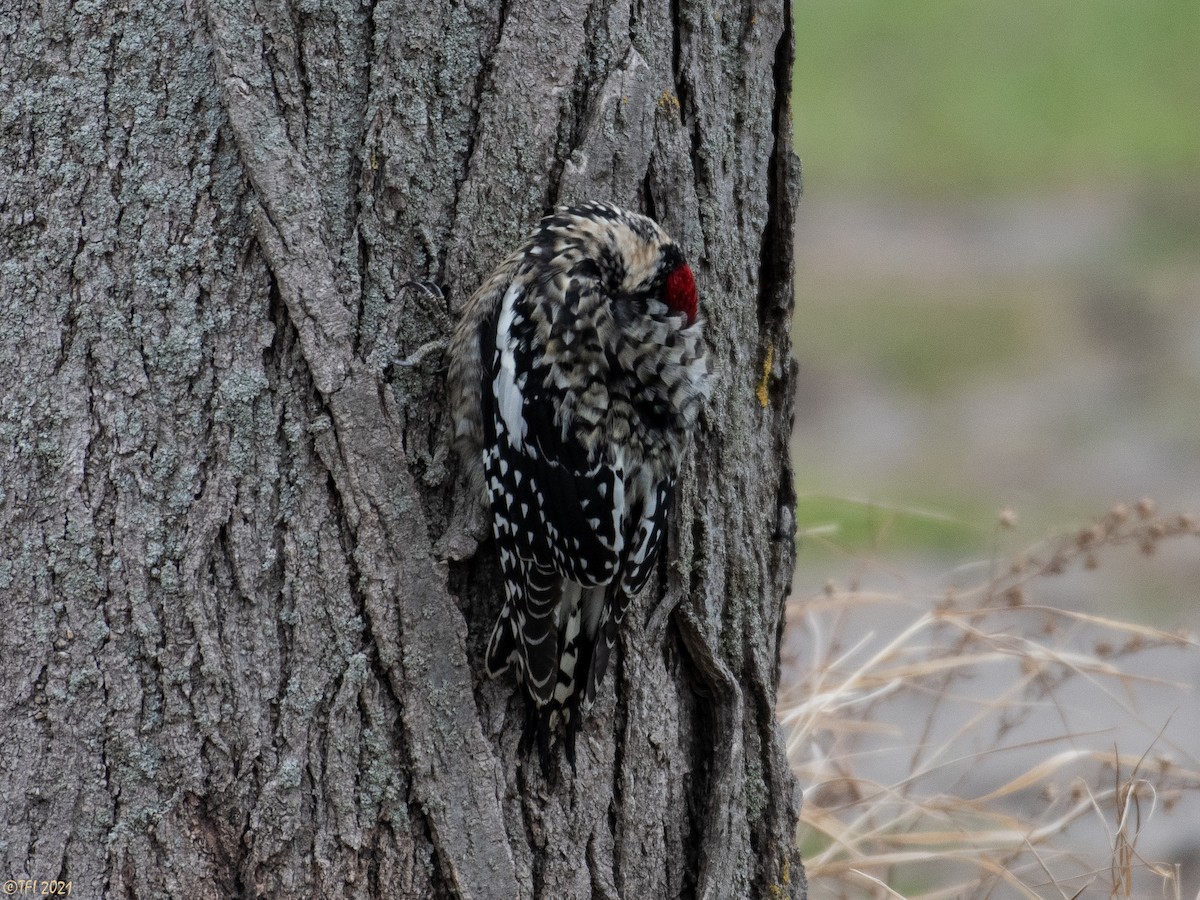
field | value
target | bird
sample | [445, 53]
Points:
[576, 377]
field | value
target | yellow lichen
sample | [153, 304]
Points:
[668, 102]
[768, 364]
[779, 889]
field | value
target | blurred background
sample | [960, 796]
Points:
[998, 306]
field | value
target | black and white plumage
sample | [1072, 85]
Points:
[576, 375]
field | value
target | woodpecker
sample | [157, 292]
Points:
[577, 373]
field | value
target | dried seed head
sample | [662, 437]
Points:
[1007, 518]
[1090, 536]
[1134, 644]
[1145, 508]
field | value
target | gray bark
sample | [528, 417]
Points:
[242, 599]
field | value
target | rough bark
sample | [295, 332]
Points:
[243, 607]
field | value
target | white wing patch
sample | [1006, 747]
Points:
[509, 401]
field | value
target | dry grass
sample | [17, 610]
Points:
[963, 744]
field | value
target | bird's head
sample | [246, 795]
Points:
[635, 258]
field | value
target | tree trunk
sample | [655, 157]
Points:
[243, 605]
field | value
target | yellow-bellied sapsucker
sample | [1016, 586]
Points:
[576, 375]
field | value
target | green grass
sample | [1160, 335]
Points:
[926, 348]
[918, 342]
[946, 97]
[857, 526]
